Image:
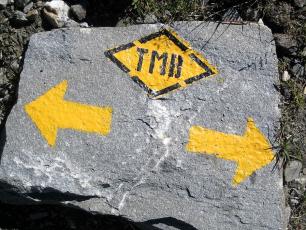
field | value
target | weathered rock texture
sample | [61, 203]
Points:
[141, 169]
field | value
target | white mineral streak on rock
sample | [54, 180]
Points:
[122, 203]
[115, 211]
[61, 167]
[85, 30]
[163, 118]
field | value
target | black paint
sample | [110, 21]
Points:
[176, 62]
[141, 52]
[207, 72]
[154, 56]
[177, 66]
[110, 55]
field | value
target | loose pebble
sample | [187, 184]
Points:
[292, 170]
[285, 76]
[56, 13]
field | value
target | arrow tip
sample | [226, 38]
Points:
[42, 111]
[259, 153]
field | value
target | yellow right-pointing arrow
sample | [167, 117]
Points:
[251, 151]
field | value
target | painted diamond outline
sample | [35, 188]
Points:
[153, 93]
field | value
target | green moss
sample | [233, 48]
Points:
[298, 218]
[167, 11]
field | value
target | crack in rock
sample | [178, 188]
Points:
[162, 117]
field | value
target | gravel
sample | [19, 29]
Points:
[298, 70]
[19, 18]
[299, 3]
[286, 44]
[20, 4]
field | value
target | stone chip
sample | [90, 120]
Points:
[292, 170]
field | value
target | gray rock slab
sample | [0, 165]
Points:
[141, 169]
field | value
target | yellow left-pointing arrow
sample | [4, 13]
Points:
[50, 112]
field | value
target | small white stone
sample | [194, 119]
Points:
[286, 76]
[84, 25]
[3, 3]
[304, 91]
[56, 13]
[260, 22]
[85, 30]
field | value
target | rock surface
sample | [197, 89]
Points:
[300, 3]
[28, 7]
[20, 4]
[298, 70]
[3, 3]
[141, 169]
[285, 43]
[32, 15]
[292, 170]
[19, 18]
[78, 11]
[150, 19]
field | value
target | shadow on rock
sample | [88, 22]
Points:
[49, 216]
[167, 221]
[52, 195]
[2, 141]
[57, 217]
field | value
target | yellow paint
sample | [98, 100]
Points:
[50, 112]
[156, 81]
[251, 151]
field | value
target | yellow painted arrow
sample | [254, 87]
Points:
[50, 112]
[251, 151]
